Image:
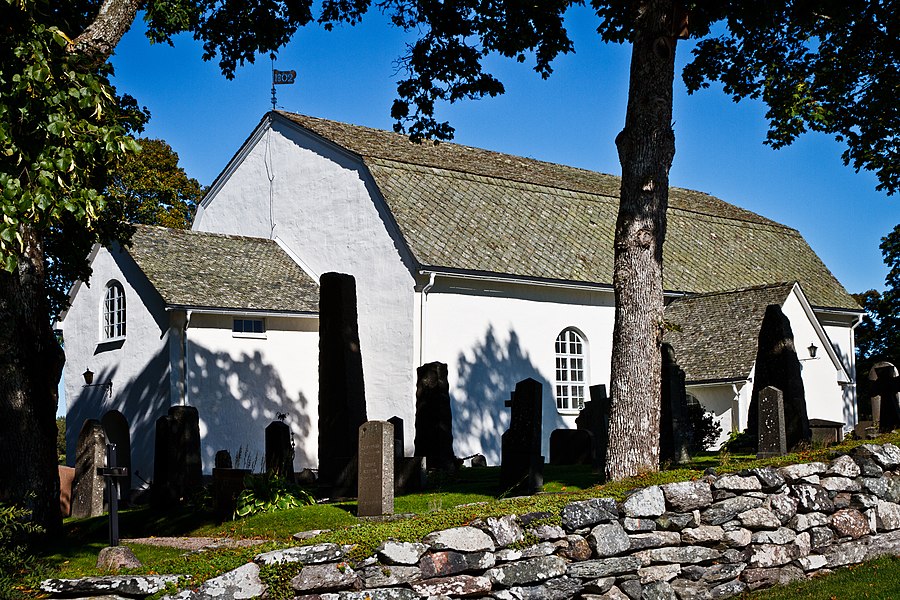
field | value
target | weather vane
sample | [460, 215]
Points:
[280, 78]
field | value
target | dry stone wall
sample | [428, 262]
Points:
[711, 538]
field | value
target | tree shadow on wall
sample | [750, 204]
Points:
[237, 398]
[484, 384]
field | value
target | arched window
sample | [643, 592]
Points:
[114, 311]
[571, 352]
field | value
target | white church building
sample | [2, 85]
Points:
[499, 266]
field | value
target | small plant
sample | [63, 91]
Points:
[705, 429]
[17, 562]
[244, 460]
[740, 443]
[269, 493]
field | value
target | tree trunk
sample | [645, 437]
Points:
[98, 41]
[646, 148]
[31, 363]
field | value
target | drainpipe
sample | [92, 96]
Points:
[184, 361]
[736, 408]
[423, 300]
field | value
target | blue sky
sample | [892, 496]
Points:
[572, 118]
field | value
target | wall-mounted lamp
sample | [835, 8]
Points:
[89, 382]
[812, 350]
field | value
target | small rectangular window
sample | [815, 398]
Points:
[249, 327]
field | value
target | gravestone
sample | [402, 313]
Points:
[777, 366]
[223, 460]
[434, 421]
[674, 426]
[571, 447]
[66, 478]
[177, 468]
[399, 438]
[342, 399]
[118, 432]
[772, 434]
[594, 418]
[279, 450]
[376, 469]
[885, 385]
[90, 455]
[521, 463]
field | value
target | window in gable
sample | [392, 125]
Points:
[571, 353]
[244, 327]
[114, 312]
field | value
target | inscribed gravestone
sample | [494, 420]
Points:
[177, 468]
[342, 400]
[777, 365]
[434, 421]
[674, 428]
[772, 436]
[88, 486]
[521, 463]
[118, 432]
[594, 418]
[376, 469]
[885, 387]
[279, 450]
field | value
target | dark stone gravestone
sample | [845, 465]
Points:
[342, 399]
[571, 447]
[117, 432]
[777, 366]
[90, 455]
[885, 385]
[228, 483]
[376, 469]
[825, 432]
[223, 460]
[410, 472]
[594, 418]
[279, 450]
[399, 438]
[177, 467]
[674, 427]
[434, 422]
[521, 463]
[772, 434]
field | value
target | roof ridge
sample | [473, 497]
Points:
[742, 290]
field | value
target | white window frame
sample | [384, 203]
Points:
[113, 313]
[570, 354]
[260, 335]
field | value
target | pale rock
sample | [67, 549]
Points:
[646, 502]
[843, 466]
[460, 539]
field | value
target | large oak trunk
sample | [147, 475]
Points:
[31, 363]
[646, 148]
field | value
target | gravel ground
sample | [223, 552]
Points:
[193, 543]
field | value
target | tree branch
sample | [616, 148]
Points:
[100, 38]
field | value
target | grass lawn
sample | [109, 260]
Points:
[450, 500]
[876, 580]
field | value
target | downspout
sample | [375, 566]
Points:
[184, 360]
[736, 409]
[424, 303]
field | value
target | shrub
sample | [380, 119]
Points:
[268, 493]
[17, 562]
[61, 439]
[705, 429]
[740, 443]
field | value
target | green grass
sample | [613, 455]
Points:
[450, 500]
[876, 580]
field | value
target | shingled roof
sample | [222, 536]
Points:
[192, 269]
[716, 334]
[468, 209]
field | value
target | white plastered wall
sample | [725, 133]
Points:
[494, 334]
[239, 385]
[842, 336]
[722, 400]
[321, 204]
[137, 366]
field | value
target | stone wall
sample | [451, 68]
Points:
[711, 538]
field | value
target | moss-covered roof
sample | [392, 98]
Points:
[469, 209]
[715, 335]
[208, 270]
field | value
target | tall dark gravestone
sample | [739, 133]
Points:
[434, 421]
[594, 418]
[521, 463]
[279, 450]
[674, 427]
[342, 398]
[772, 436]
[777, 366]
[177, 467]
[118, 432]
[885, 387]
